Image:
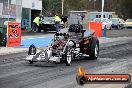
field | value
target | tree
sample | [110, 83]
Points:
[51, 7]
[126, 10]
[121, 7]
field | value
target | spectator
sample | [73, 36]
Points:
[57, 22]
[64, 19]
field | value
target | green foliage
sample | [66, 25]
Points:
[51, 7]
[126, 8]
[121, 7]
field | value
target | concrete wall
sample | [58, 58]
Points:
[16, 10]
[27, 3]
[37, 4]
[32, 7]
[33, 4]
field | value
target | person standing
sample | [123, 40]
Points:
[57, 22]
[64, 19]
[36, 23]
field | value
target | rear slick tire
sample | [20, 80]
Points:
[94, 49]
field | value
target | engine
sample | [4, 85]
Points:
[57, 44]
[84, 46]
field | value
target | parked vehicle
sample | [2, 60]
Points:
[106, 23]
[128, 23]
[48, 24]
[117, 23]
[67, 45]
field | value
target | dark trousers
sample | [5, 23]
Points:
[35, 27]
[57, 23]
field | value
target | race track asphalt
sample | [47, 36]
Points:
[115, 58]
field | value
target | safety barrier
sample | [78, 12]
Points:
[97, 27]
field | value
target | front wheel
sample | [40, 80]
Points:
[30, 61]
[120, 27]
[68, 56]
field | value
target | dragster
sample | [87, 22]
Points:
[67, 45]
